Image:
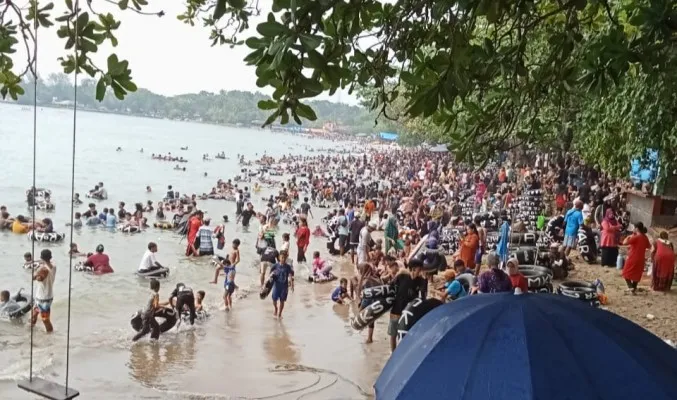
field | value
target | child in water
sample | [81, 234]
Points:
[229, 284]
[28, 261]
[199, 299]
[321, 271]
[340, 294]
[283, 280]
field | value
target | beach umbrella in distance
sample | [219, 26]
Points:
[527, 347]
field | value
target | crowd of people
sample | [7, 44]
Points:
[381, 211]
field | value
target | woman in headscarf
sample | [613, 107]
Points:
[633, 269]
[609, 240]
[663, 255]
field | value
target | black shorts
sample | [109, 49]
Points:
[343, 241]
[207, 252]
[352, 246]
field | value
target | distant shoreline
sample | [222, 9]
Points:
[130, 114]
[29, 107]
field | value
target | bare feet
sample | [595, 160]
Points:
[369, 340]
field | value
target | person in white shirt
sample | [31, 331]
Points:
[44, 292]
[148, 261]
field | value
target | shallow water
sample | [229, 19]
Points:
[231, 355]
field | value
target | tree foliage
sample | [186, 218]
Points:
[482, 75]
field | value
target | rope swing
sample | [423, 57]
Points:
[36, 385]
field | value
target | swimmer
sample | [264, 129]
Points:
[149, 324]
[75, 252]
[283, 282]
[199, 299]
[148, 189]
[28, 261]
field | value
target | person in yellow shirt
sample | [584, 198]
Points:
[20, 225]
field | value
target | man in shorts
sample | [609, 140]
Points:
[268, 258]
[44, 293]
[354, 235]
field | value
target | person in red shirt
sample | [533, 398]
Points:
[99, 262]
[302, 240]
[518, 280]
[194, 224]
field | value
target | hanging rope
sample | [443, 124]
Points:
[70, 263]
[33, 191]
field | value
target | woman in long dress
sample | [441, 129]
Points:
[609, 240]
[663, 256]
[633, 269]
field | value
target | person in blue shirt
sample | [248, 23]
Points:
[573, 220]
[111, 219]
[453, 289]
[283, 280]
[504, 238]
[341, 292]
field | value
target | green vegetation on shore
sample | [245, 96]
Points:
[226, 107]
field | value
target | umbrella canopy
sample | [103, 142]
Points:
[530, 346]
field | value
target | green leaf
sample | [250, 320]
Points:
[100, 89]
[310, 42]
[256, 43]
[271, 28]
[118, 91]
[271, 118]
[267, 104]
[316, 59]
[306, 112]
[112, 63]
[219, 9]
[411, 79]
[123, 4]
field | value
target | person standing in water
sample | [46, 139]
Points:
[149, 324]
[283, 276]
[44, 293]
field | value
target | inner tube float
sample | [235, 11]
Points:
[371, 313]
[164, 225]
[537, 276]
[94, 196]
[266, 289]
[581, 290]
[527, 238]
[167, 314]
[44, 206]
[129, 229]
[525, 255]
[25, 302]
[200, 316]
[40, 192]
[414, 311]
[379, 292]
[31, 265]
[319, 279]
[587, 246]
[46, 237]
[156, 273]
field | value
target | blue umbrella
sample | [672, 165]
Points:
[523, 347]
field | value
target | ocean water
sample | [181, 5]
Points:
[311, 354]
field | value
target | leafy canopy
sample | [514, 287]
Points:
[490, 74]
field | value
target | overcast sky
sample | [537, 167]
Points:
[166, 56]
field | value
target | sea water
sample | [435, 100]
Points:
[242, 353]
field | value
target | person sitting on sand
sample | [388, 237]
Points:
[321, 269]
[340, 294]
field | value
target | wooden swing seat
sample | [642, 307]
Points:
[47, 389]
